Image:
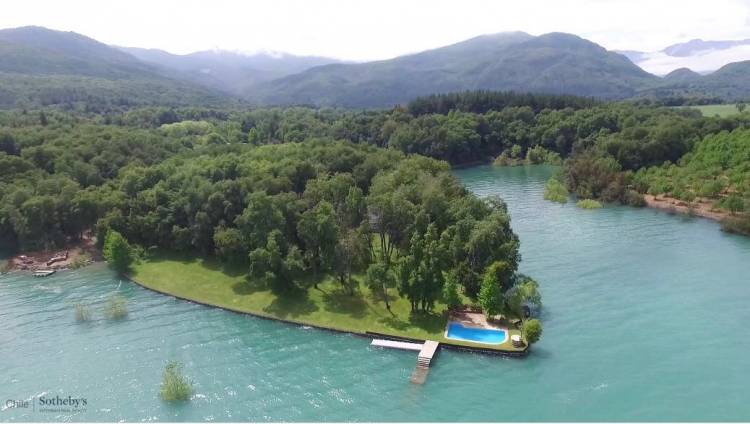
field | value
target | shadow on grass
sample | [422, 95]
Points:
[212, 263]
[377, 298]
[248, 286]
[228, 268]
[339, 301]
[290, 303]
[430, 322]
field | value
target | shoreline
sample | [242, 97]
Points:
[701, 208]
[365, 334]
[79, 253]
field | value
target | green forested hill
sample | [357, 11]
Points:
[552, 63]
[41, 67]
[730, 83]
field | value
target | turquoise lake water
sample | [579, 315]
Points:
[645, 318]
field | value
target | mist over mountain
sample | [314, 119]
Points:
[230, 72]
[702, 56]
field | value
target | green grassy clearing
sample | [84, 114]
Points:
[720, 110]
[208, 281]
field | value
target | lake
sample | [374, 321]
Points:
[644, 315]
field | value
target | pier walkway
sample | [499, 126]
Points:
[427, 351]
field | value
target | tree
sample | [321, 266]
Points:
[319, 231]
[229, 244]
[379, 277]
[491, 292]
[276, 261]
[740, 107]
[421, 268]
[532, 330]
[118, 252]
[523, 293]
[394, 214]
[259, 219]
[352, 254]
[451, 296]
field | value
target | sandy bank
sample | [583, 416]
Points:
[701, 207]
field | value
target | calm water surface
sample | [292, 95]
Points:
[645, 316]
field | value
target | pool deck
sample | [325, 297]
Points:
[473, 319]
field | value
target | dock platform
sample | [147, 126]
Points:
[397, 345]
[427, 351]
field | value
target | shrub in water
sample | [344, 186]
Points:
[80, 261]
[588, 204]
[83, 313]
[174, 386]
[532, 330]
[5, 267]
[555, 191]
[116, 307]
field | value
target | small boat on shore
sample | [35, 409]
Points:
[44, 272]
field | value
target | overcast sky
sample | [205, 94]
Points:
[377, 29]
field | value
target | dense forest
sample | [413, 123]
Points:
[256, 189]
[67, 155]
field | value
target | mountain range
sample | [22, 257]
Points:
[46, 67]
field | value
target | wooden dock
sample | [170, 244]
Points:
[427, 351]
[396, 345]
[44, 272]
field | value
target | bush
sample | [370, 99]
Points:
[174, 386]
[633, 198]
[80, 261]
[555, 191]
[539, 155]
[116, 308]
[532, 330]
[739, 225]
[588, 204]
[505, 160]
[5, 267]
[83, 313]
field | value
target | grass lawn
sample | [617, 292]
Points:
[328, 305]
[720, 110]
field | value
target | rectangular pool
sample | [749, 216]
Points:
[457, 331]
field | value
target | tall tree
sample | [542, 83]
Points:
[380, 278]
[491, 292]
[318, 229]
[118, 252]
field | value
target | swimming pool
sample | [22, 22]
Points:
[457, 331]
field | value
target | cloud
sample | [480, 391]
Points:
[377, 29]
[660, 63]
